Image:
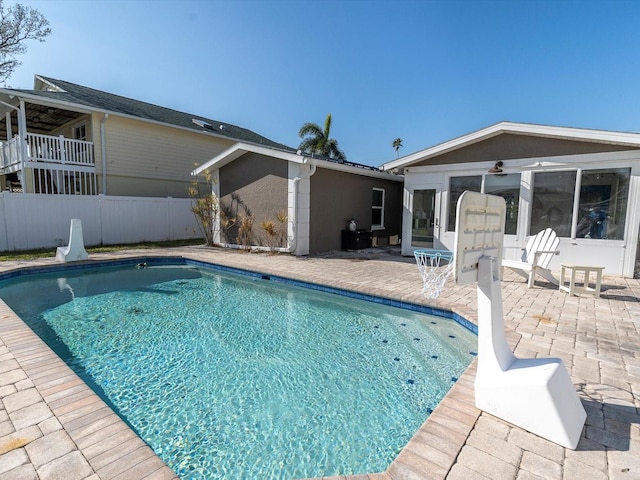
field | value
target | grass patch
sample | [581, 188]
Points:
[51, 252]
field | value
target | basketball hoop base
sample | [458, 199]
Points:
[536, 394]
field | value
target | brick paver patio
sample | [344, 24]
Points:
[52, 426]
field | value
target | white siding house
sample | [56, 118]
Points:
[64, 138]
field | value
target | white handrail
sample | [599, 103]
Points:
[10, 153]
[59, 149]
[59, 165]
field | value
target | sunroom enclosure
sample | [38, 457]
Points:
[591, 201]
[35, 154]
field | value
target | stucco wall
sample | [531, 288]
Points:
[257, 183]
[337, 196]
[509, 146]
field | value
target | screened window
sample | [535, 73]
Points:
[377, 208]
[603, 204]
[457, 186]
[553, 202]
[508, 187]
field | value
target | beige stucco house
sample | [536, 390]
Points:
[317, 196]
[64, 138]
[585, 184]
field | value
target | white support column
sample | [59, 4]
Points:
[63, 154]
[7, 117]
[24, 152]
[293, 172]
[524, 209]
[215, 190]
[299, 207]
[632, 235]
[407, 220]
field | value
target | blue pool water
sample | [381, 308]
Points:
[229, 376]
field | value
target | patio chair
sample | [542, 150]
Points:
[75, 250]
[536, 257]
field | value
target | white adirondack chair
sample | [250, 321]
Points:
[536, 257]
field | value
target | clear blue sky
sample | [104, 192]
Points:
[425, 71]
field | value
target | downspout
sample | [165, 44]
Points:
[103, 152]
[294, 240]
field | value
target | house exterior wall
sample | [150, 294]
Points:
[67, 130]
[145, 159]
[259, 184]
[512, 146]
[618, 255]
[337, 197]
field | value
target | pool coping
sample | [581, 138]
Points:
[430, 453]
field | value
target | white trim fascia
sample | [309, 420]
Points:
[46, 82]
[240, 148]
[566, 133]
[534, 163]
[50, 102]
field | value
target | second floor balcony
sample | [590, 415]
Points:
[48, 164]
[46, 149]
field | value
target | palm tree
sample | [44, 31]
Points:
[316, 141]
[397, 143]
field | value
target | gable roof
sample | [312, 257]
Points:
[239, 149]
[545, 131]
[97, 100]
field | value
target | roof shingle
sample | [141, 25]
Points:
[97, 99]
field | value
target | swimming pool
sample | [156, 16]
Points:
[229, 376]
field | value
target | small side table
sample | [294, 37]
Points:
[572, 288]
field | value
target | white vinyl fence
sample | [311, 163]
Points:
[30, 221]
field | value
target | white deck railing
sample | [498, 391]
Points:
[10, 155]
[45, 148]
[58, 164]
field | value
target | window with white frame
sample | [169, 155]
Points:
[505, 185]
[457, 186]
[599, 213]
[552, 205]
[589, 204]
[377, 209]
[80, 132]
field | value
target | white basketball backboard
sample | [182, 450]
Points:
[479, 232]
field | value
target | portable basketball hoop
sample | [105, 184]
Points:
[534, 393]
[433, 275]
